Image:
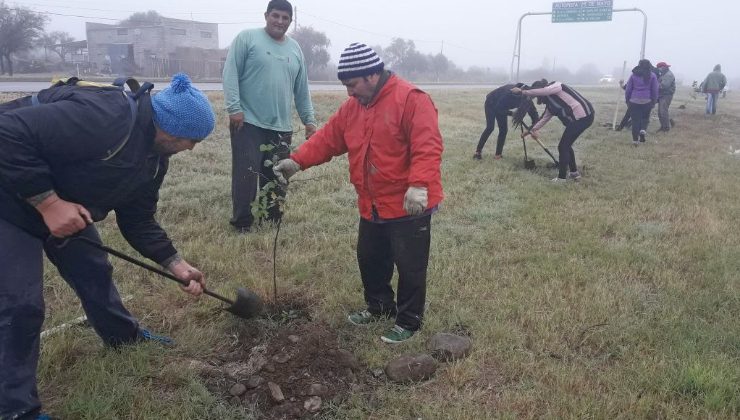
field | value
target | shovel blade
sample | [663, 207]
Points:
[247, 304]
[529, 164]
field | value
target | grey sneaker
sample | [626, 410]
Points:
[575, 176]
[643, 133]
[363, 317]
[559, 181]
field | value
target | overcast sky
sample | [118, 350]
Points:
[692, 36]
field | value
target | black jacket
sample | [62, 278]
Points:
[70, 143]
[501, 100]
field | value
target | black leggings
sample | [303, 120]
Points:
[640, 118]
[565, 147]
[503, 128]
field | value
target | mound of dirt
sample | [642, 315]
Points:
[287, 369]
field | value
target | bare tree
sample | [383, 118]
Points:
[55, 41]
[315, 47]
[150, 17]
[20, 29]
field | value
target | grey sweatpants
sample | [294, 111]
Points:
[664, 102]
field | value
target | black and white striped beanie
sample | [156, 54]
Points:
[358, 60]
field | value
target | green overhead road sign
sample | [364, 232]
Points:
[582, 11]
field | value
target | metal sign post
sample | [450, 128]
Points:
[620, 95]
[577, 11]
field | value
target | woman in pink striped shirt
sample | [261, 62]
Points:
[574, 111]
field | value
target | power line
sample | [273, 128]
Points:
[133, 11]
[115, 19]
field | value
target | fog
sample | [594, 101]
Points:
[691, 36]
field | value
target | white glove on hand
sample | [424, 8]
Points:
[285, 169]
[415, 201]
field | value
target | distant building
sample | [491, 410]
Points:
[155, 49]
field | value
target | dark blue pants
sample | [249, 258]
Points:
[404, 244]
[86, 270]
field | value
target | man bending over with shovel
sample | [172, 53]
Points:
[389, 130]
[68, 156]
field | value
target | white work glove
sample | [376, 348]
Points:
[415, 201]
[285, 169]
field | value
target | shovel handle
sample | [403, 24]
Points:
[141, 264]
[541, 145]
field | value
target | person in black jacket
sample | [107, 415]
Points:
[68, 156]
[498, 106]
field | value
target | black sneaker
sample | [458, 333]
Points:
[477, 156]
[643, 133]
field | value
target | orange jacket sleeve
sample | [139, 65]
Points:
[421, 125]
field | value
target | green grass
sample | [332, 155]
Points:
[614, 298]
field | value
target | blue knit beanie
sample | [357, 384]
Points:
[358, 60]
[181, 110]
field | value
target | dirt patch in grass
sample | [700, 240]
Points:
[285, 365]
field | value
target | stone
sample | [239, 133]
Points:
[447, 347]
[377, 373]
[318, 390]
[294, 339]
[237, 390]
[281, 358]
[347, 359]
[313, 404]
[269, 368]
[235, 401]
[411, 368]
[254, 381]
[276, 392]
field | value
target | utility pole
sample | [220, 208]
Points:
[295, 18]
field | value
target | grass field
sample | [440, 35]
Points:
[617, 297]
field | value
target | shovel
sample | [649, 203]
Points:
[528, 163]
[247, 304]
[555, 161]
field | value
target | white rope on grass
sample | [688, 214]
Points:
[76, 321]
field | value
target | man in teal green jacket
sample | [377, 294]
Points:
[712, 86]
[264, 72]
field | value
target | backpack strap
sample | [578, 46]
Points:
[133, 106]
[132, 83]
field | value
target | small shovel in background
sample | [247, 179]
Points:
[528, 163]
[247, 304]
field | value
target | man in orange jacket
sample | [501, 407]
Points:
[389, 130]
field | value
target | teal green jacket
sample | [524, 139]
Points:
[262, 77]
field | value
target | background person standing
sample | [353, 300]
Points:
[641, 94]
[263, 74]
[712, 86]
[666, 89]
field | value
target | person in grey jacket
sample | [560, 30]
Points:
[666, 89]
[712, 86]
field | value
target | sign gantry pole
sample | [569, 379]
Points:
[574, 11]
